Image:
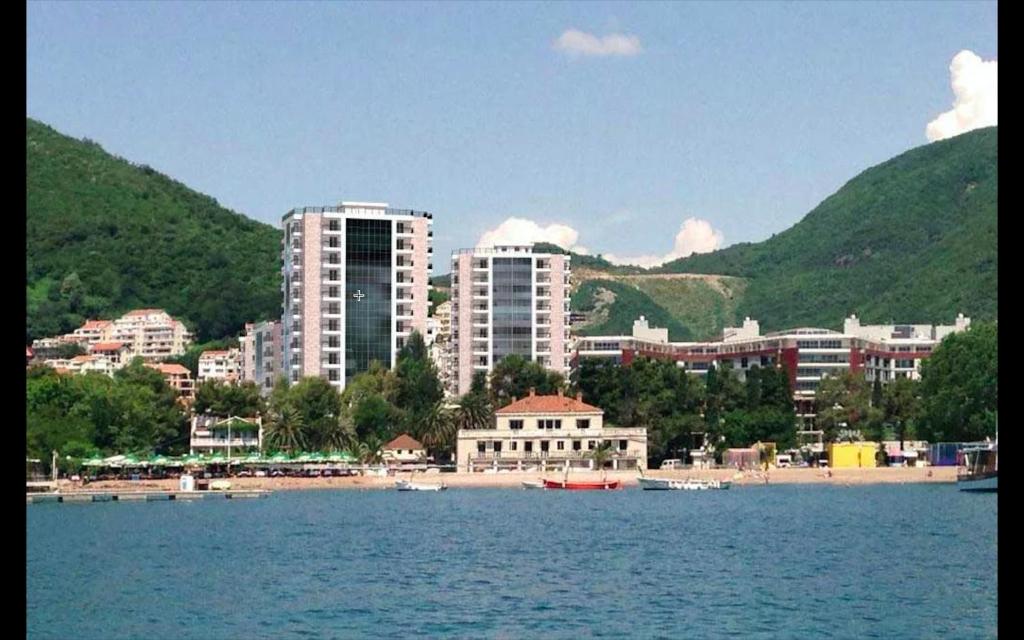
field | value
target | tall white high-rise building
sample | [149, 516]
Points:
[508, 300]
[356, 282]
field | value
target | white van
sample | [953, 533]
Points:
[672, 464]
[783, 461]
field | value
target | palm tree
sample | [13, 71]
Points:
[601, 455]
[338, 434]
[474, 412]
[285, 430]
[438, 427]
[369, 450]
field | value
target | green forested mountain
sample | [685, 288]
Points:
[912, 240]
[105, 236]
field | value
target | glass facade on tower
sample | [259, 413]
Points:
[512, 297]
[368, 278]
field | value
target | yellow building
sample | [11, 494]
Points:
[852, 454]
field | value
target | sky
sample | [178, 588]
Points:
[640, 131]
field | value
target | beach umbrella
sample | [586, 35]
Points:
[338, 456]
[302, 456]
[191, 458]
[317, 456]
[217, 458]
[252, 458]
[94, 462]
[158, 461]
[279, 457]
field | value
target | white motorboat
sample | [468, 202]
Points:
[690, 484]
[980, 470]
[533, 484]
[408, 485]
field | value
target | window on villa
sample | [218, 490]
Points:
[497, 445]
[582, 424]
[590, 444]
[558, 424]
[513, 446]
[622, 445]
[528, 446]
[515, 424]
[480, 447]
[545, 445]
[576, 445]
[561, 445]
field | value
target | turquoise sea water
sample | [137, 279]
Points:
[887, 561]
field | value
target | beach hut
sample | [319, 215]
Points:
[852, 455]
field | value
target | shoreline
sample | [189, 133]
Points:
[842, 477]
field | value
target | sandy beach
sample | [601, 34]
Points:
[885, 475]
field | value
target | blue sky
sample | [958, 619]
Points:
[743, 116]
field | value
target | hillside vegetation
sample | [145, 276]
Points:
[911, 240]
[105, 236]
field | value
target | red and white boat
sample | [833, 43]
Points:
[581, 486]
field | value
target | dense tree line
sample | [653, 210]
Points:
[679, 409]
[133, 412]
[104, 236]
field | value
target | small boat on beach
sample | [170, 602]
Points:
[408, 485]
[690, 484]
[581, 486]
[533, 484]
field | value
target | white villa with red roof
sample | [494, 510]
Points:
[220, 365]
[549, 432]
[404, 448]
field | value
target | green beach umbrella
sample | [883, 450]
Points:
[217, 458]
[158, 461]
[279, 457]
[192, 458]
[94, 462]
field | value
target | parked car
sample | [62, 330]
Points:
[672, 464]
[260, 473]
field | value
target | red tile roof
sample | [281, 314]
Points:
[548, 404]
[404, 441]
[213, 354]
[170, 369]
[83, 358]
[107, 346]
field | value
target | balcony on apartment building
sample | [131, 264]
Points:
[402, 262]
[543, 265]
[543, 292]
[403, 229]
[403, 245]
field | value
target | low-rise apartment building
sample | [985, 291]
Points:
[178, 377]
[232, 436]
[548, 432]
[220, 365]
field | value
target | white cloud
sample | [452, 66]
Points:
[580, 43]
[695, 236]
[520, 231]
[975, 83]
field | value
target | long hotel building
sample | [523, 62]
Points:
[880, 352]
[508, 300]
[356, 282]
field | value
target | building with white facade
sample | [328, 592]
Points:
[232, 436]
[356, 283]
[508, 300]
[220, 365]
[548, 432]
[883, 352]
[152, 334]
[262, 354]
